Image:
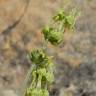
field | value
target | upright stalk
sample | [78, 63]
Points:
[42, 74]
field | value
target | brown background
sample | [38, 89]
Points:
[20, 25]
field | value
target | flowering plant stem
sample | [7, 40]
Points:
[42, 74]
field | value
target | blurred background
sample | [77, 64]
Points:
[21, 22]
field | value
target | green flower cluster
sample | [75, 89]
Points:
[52, 35]
[67, 19]
[62, 21]
[42, 74]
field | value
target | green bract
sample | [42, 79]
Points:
[70, 22]
[53, 36]
[60, 16]
[50, 77]
[42, 72]
[46, 31]
[37, 92]
[38, 57]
